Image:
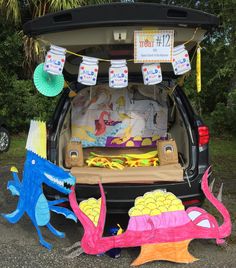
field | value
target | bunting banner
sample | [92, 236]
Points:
[154, 49]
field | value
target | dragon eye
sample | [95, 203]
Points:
[33, 162]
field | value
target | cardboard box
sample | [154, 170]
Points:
[167, 152]
[74, 155]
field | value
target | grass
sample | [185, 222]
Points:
[16, 151]
[223, 157]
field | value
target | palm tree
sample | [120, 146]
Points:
[15, 11]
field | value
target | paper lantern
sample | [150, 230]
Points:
[181, 63]
[118, 74]
[55, 60]
[151, 73]
[88, 71]
[47, 84]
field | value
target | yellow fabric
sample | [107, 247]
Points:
[198, 70]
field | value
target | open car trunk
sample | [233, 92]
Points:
[107, 32]
[151, 113]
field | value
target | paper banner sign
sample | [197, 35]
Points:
[118, 74]
[88, 71]
[181, 63]
[151, 73]
[153, 46]
[55, 60]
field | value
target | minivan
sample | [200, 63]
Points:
[107, 32]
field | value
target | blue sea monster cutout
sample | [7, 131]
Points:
[37, 170]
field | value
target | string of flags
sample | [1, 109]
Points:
[118, 71]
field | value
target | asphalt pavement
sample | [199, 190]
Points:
[19, 245]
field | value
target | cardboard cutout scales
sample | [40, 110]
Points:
[158, 223]
[37, 170]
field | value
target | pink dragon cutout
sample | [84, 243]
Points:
[162, 237]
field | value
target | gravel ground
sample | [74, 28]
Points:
[19, 246]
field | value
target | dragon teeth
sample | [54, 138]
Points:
[55, 180]
[68, 182]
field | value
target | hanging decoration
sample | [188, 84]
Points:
[153, 46]
[160, 43]
[151, 73]
[198, 70]
[47, 84]
[181, 63]
[118, 74]
[158, 223]
[88, 71]
[55, 60]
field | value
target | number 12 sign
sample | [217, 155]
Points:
[153, 46]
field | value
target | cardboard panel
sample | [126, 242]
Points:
[91, 175]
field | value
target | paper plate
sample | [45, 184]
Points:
[47, 84]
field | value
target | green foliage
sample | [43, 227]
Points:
[222, 120]
[217, 120]
[11, 49]
[231, 110]
[21, 103]
[16, 152]
[19, 100]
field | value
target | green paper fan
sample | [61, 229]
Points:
[47, 84]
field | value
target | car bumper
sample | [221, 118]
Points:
[120, 197]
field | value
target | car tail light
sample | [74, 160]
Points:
[203, 135]
[191, 202]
